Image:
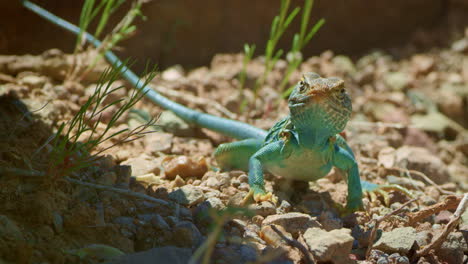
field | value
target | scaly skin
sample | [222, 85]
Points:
[303, 146]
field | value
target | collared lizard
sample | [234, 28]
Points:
[303, 146]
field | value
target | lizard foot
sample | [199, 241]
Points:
[260, 197]
[265, 197]
[374, 190]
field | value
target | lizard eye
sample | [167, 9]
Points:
[302, 86]
[343, 90]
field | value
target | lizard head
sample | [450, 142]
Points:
[320, 102]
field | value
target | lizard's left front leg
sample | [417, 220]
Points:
[371, 189]
[267, 154]
[345, 161]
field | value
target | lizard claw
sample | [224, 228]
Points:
[373, 191]
[260, 197]
[265, 197]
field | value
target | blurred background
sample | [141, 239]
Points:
[191, 32]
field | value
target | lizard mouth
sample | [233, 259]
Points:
[299, 101]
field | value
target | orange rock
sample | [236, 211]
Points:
[184, 167]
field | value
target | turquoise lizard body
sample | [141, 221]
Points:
[303, 146]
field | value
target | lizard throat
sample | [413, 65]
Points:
[327, 117]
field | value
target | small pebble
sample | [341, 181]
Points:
[244, 178]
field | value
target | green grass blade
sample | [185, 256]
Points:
[314, 30]
[291, 17]
[305, 19]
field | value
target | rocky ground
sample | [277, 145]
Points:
[408, 128]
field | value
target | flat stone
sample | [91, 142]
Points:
[264, 208]
[213, 182]
[175, 125]
[143, 164]
[187, 195]
[334, 246]
[149, 179]
[399, 240]
[292, 222]
[215, 203]
[158, 142]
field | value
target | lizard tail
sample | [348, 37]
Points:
[224, 126]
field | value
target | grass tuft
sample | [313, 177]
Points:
[294, 57]
[300, 40]
[279, 25]
[76, 139]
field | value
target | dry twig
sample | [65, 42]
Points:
[450, 203]
[380, 220]
[454, 219]
[424, 176]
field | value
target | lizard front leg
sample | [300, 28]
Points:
[267, 154]
[345, 161]
[372, 189]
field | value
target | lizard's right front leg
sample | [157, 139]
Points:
[268, 153]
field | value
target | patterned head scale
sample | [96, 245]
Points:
[325, 100]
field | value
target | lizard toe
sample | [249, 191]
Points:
[374, 191]
[266, 197]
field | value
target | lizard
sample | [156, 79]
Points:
[305, 145]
